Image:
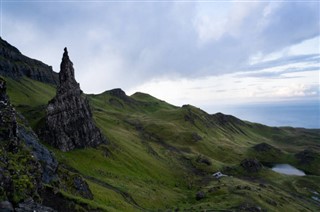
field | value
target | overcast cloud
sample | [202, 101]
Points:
[135, 45]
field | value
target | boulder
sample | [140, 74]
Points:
[6, 206]
[306, 156]
[264, 147]
[200, 195]
[251, 165]
[30, 206]
[82, 187]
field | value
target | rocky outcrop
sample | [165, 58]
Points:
[11, 136]
[264, 147]
[73, 183]
[20, 172]
[15, 65]
[69, 122]
[8, 123]
[48, 162]
[6, 206]
[251, 165]
[200, 195]
[306, 156]
[31, 206]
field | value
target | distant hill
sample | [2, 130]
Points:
[162, 157]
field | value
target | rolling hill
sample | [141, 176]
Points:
[161, 157]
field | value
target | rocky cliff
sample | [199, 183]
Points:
[20, 171]
[8, 123]
[25, 165]
[15, 65]
[69, 122]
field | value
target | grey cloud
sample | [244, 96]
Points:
[279, 74]
[310, 58]
[125, 44]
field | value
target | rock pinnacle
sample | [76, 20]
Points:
[69, 123]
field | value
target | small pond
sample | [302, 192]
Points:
[287, 169]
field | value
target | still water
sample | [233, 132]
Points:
[288, 170]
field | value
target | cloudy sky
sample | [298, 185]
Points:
[198, 52]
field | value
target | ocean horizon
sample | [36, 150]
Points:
[280, 114]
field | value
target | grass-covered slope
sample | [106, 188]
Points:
[30, 98]
[160, 156]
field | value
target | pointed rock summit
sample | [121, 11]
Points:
[66, 75]
[69, 122]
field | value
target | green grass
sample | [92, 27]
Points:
[30, 98]
[154, 149]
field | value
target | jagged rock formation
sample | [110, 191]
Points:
[251, 165]
[25, 164]
[15, 65]
[47, 159]
[20, 172]
[11, 137]
[30, 205]
[69, 122]
[264, 147]
[8, 123]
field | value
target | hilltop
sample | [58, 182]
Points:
[162, 157]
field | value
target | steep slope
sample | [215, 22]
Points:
[15, 65]
[162, 157]
[20, 170]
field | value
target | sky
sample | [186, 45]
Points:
[206, 53]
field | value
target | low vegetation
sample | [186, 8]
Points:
[160, 156]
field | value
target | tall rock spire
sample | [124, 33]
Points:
[69, 122]
[66, 75]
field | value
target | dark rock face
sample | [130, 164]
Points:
[31, 206]
[223, 119]
[306, 156]
[15, 65]
[251, 165]
[200, 195]
[73, 183]
[48, 162]
[6, 206]
[13, 134]
[117, 92]
[82, 187]
[20, 172]
[69, 122]
[203, 159]
[264, 147]
[8, 124]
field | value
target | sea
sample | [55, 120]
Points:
[295, 114]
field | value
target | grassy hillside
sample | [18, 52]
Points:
[160, 156]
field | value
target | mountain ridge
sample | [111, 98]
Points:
[15, 65]
[162, 157]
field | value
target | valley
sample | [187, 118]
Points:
[159, 157]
